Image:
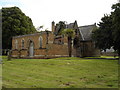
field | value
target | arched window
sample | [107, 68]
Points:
[40, 41]
[22, 44]
[16, 44]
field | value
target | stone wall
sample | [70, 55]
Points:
[88, 49]
[48, 50]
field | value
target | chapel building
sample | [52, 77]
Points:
[51, 44]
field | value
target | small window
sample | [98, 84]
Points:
[40, 41]
[16, 44]
[22, 44]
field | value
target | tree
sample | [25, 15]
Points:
[116, 27]
[69, 33]
[61, 26]
[14, 22]
[103, 34]
[108, 33]
[40, 28]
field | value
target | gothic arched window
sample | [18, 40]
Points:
[40, 41]
[16, 44]
[23, 44]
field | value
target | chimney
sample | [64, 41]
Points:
[53, 26]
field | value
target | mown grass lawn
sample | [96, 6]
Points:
[60, 73]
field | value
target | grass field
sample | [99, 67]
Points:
[60, 73]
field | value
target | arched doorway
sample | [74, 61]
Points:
[31, 49]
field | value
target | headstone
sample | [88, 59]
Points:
[9, 55]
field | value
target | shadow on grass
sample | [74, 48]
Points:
[101, 58]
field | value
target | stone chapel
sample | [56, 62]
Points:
[51, 44]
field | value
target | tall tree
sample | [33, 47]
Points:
[14, 22]
[116, 27]
[103, 34]
[62, 30]
[59, 27]
[108, 33]
[69, 33]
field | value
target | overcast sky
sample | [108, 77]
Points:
[43, 12]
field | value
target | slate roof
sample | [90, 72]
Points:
[86, 32]
[70, 26]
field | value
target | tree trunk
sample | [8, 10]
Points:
[69, 46]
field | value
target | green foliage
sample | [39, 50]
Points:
[60, 26]
[68, 32]
[40, 28]
[103, 35]
[14, 22]
[116, 26]
[76, 42]
[62, 30]
[60, 73]
[108, 33]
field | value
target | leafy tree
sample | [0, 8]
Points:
[69, 33]
[108, 33]
[14, 22]
[61, 26]
[103, 35]
[62, 30]
[40, 28]
[116, 27]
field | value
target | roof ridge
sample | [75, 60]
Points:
[87, 25]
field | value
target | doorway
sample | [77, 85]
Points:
[31, 49]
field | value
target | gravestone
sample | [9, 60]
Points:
[9, 55]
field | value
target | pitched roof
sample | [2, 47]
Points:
[70, 26]
[86, 31]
